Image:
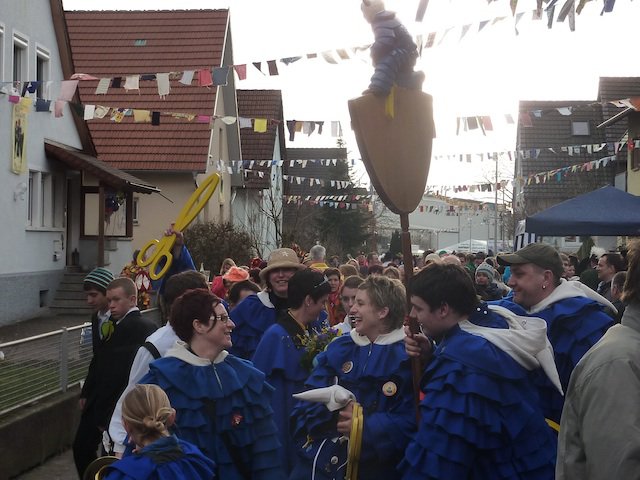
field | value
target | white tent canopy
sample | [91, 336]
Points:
[476, 246]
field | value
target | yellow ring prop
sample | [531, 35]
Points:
[355, 442]
[162, 248]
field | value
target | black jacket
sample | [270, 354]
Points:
[108, 373]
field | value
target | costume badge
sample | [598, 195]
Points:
[389, 389]
[236, 419]
[347, 367]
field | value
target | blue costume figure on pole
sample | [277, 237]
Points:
[223, 403]
[393, 52]
[281, 352]
[368, 366]
[480, 417]
[147, 413]
[575, 314]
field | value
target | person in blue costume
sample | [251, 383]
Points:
[223, 403]
[480, 416]
[258, 312]
[575, 314]
[280, 352]
[147, 414]
[371, 363]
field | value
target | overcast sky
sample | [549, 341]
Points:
[485, 73]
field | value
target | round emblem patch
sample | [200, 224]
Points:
[347, 367]
[389, 389]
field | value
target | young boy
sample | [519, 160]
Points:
[120, 337]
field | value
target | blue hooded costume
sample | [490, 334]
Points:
[223, 407]
[252, 317]
[165, 459]
[480, 416]
[278, 355]
[575, 323]
[379, 375]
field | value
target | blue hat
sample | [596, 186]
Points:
[99, 278]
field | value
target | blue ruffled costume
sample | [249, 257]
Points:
[225, 403]
[480, 417]
[574, 325]
[278, 355]
[166, 459]
[389, 415]
[252, 318]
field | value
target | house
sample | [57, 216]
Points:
[622, 123]
[552, 136]
[50, 165]
[175, 151]
[257, 205]
[439, 222]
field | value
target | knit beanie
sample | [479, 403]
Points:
[99, 278]
[487, 270]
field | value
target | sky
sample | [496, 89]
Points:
[484, 73]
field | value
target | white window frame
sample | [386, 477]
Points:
[580, 129]
[1, 52]
[43, 54]
[134, 211]
[22, 42]
[44, 212]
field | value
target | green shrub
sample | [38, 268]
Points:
[211, 243]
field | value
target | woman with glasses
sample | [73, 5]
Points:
[281, 352]
[222, 402]
[371, 363]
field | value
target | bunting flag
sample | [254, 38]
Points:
[559, 173]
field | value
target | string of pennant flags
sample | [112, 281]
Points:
[218, 75]
[559, 174]
[118, 114]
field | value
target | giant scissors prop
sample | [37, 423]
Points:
[161, 258]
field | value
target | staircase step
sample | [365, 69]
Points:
[71, 311]
[64, 294]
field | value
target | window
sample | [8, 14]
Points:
[42, 71]
[45, 205]
[136, 204]
[580, 129]
[20, 61]
[635, 155]
[31, 198]
[1, 53]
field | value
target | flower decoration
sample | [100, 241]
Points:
[315, 343]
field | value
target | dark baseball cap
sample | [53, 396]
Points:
[544, 256]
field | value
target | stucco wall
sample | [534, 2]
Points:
[29, 250]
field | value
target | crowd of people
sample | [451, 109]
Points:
[301, 367]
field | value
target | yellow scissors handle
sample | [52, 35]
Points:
[162, 248]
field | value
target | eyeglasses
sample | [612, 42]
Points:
[326, 280]
[220, 318]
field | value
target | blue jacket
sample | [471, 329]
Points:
[379, 375]
[574, 325]
[222, 407]
[480, 416]
[166, 459]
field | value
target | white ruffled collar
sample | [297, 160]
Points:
[181, 351]
[384, 339]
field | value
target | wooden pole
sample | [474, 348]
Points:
[407, 257]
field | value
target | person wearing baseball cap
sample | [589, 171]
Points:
[258, 312]
[575, 314]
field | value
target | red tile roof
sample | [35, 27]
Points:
[103, 45]
[260, 146]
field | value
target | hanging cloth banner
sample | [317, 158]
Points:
[18, 136]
